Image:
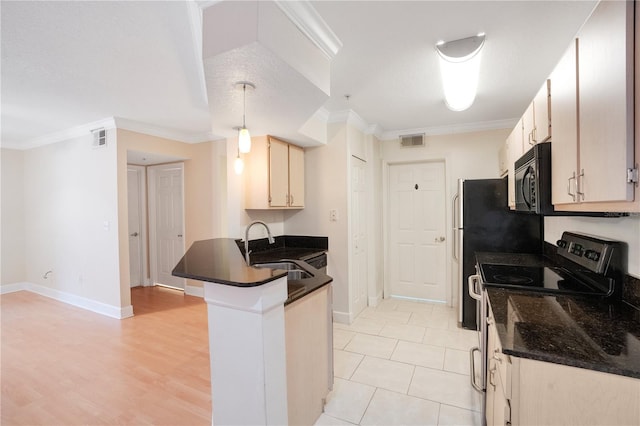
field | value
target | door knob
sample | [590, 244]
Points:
[135, 234]
[439, 239]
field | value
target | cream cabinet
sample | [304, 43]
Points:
[515, 149]
[595, 157]
[564, 116]
[498, 404]
[274, 175]
[309, 348]
[528, 392]
[536, 121]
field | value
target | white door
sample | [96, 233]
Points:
[358, 215]
[166, 227]
[135, 199]
[417, 247]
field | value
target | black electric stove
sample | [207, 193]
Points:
[584, 264]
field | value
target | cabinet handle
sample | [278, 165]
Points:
[579, 182]
[291, 200]
[496, 357]
[572, 194]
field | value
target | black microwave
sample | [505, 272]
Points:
[533, 180]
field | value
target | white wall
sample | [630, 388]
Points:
[625, 229]
[326, 188]
[12, 212]
[467, 155]
[71, 217]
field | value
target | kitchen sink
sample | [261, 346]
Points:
[294, 271]
[294, 274]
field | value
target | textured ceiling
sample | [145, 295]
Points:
[66, 64]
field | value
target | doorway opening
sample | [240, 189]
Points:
[155, 194]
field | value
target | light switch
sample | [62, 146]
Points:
[106, 225]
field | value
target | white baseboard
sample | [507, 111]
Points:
[192, 290]
[12, 288]
[375, 300]
[72, 299]
[342, 317]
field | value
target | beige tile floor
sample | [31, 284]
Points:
[402, 363]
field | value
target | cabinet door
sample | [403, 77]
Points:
[515, 151]
[278, 173]
[605, 61]
[564, 116]
[528, 125]
[296, 176]
[542, 113]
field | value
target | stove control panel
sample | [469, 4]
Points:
[593, 253]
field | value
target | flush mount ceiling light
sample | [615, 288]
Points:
[244, 138]
[459, 68]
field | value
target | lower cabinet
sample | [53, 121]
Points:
[309, 346]
[523, 391]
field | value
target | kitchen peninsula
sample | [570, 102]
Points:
[270, 363]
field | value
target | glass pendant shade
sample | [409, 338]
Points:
[459, 69]
[244, 140]
[238, 165]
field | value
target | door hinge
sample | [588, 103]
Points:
[632, 175]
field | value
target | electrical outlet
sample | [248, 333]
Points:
[333, 215]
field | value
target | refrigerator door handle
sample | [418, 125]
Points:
[456, 233]
[473, 282]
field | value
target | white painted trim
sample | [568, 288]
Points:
[304, 16]
[63, 135]
[143, 214]
[161, 132]
[191, 290]
[343, 317]
[375, 300]
[13, 287]
[451, 129]
[71, 299]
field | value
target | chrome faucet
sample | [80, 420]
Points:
[246, 238]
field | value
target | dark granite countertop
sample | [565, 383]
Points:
[585, 332]
[220, 260]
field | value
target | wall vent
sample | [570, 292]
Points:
[408, 141]
[99, 137]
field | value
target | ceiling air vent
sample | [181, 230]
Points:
[99, 137]
[408, 141]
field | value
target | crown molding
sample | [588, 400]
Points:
[310, 23]
[71, 133]
[451, 129]
[161, 132]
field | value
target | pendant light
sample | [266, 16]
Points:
[238, 163]
[244, 137]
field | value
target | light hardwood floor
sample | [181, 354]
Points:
[62, 365]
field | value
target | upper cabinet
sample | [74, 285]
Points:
[594, 154]
[515, 149]
[536, 120]
[274, 175]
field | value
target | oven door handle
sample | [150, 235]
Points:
[472, 368]
[473, 282]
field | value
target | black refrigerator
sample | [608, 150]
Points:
[483, 222]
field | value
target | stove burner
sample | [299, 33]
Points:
[513, 279]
